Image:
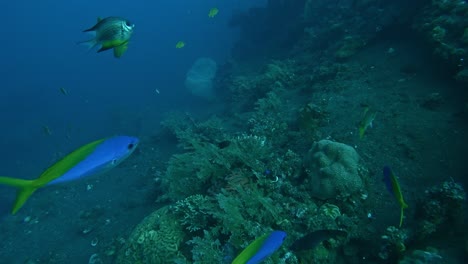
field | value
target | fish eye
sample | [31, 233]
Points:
[130, 146]
[128, 23]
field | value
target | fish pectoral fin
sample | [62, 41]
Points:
[120, 50]
[112, 44]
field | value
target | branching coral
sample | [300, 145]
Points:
[189, 131]
[194, 212]
[267, 120]
[206, 249]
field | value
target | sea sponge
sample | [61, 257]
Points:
[333, 171]
[199, 79]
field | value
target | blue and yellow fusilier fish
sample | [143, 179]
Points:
[93, 158]
[261, 248]
[366, 121]
[111, 33]
[213, 12]
[393, 187]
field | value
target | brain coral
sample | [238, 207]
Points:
[155, 240]
[332, 168]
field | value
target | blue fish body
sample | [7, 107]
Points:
[269, 246]
[92, 158]
[108, 154]
[387, 179]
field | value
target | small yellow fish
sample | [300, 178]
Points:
[213, 12]
[180, 45]
[63, 91]
[366, 121]
[47, 130]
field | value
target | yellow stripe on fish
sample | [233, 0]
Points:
[90, 159]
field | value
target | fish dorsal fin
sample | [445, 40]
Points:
[99, 19]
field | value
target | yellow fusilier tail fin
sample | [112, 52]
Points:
[25, 189]
[362, 130]
[402, 207]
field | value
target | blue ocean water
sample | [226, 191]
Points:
[41, 56]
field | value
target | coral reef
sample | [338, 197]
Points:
[441, 210]
[193, 212]
[223, 195]
[267, 121]
[330, 210]
[444, 23]
[333, 170]
[157, 239]
[252, 171]
[350, 46]
[394, 243]
[206, 249]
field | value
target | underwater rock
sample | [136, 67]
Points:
[432, 101]
[351, 45]
[156, 239]
[333, 170]
[441, 209]
[94, 259]
[311, 117]
[462, 76]
[313, 239]
[430, 255]
[394, 243]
